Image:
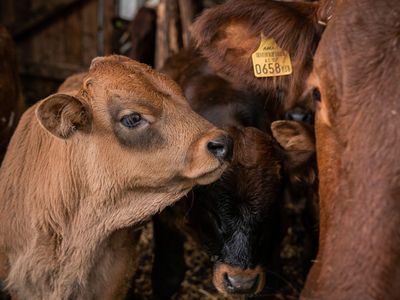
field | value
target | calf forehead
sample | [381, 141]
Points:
[250, 190]
[259, 186]
[130, 78]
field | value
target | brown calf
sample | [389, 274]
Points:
[356, 89]
[82, 169]
[11, 100]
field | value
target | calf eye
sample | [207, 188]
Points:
[131, 120]
[316, 95]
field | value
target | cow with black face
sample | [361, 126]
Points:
[236, 220]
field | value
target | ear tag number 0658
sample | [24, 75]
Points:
[269, 60]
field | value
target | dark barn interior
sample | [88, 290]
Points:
[59, 38]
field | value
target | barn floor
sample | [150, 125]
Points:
[198, 285]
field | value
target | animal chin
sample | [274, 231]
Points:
[211, 176]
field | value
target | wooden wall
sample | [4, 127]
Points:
[54, 39]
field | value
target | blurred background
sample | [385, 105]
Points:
[57, 38]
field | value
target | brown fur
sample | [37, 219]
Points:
[72, 84]
[228, 34]
[71, 192]
[11, 99]
[358, 141]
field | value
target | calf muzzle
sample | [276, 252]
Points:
[239, 284]
[234, 280]
[299, 115]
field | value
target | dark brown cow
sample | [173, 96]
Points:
[355, 85]
[82, 168]
[238, 219]
[11, 100]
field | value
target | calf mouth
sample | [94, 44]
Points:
[211, 176]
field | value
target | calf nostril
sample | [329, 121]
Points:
[221, 147]
[238, 284]
[299, 116]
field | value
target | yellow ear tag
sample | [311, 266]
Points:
[269, 60]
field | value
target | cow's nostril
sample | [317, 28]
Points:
[300, 116]
[221, 147]
[238, 284]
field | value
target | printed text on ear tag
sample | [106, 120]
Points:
[269, 60]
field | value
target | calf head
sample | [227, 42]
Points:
[97, 161]
[141, 130]
[238, 218]
[230, 33]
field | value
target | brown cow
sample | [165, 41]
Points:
[82, 169]
[355, 85]
[230, 33]
[11, 100]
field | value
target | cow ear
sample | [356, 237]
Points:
[297, 140]
[228, 35]
[63, 114]
[118, 58]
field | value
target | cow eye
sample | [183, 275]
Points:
[316, 95]
[132, 120]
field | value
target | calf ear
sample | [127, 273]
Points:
[118, 58]
[63, 114]
[297, 140]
